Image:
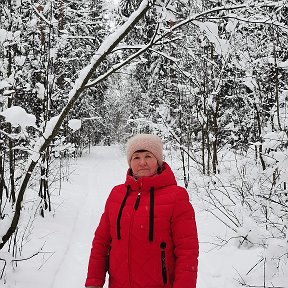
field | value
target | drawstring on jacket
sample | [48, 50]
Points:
[120, 212]
[151, 213]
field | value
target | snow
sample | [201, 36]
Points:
[63, 238]
[4, 35]
[210, 29]
[4, 84]
[74, 124]
[284, 64]
[40, 88]
[50, 125]
[16, 115]
[20, 60]
[67, 234]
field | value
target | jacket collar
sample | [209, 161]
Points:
[165, 178]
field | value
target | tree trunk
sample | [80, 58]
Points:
[260, 137]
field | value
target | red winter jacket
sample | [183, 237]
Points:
[149, 229]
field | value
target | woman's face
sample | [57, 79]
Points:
[143, 164]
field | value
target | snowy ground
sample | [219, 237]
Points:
[67, 234]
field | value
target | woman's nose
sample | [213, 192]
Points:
[142, 161]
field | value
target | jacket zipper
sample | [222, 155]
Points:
[137, 201]
[163, 262]
[136, 205]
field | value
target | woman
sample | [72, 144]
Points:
[148, 230]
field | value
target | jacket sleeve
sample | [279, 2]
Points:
[186, 246]
[97, 266]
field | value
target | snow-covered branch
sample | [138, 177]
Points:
[80, 84]
[206, 13]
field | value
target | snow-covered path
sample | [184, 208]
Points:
[97, 173]
[93, 182]
[67, 233]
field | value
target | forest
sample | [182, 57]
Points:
[208, 76]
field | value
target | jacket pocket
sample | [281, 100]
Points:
[163, 262]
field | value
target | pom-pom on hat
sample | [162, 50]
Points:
[147, 142]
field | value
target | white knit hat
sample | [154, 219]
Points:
[148, 142]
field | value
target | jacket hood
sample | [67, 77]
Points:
[165, 178]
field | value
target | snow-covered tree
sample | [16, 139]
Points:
[201, 73]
